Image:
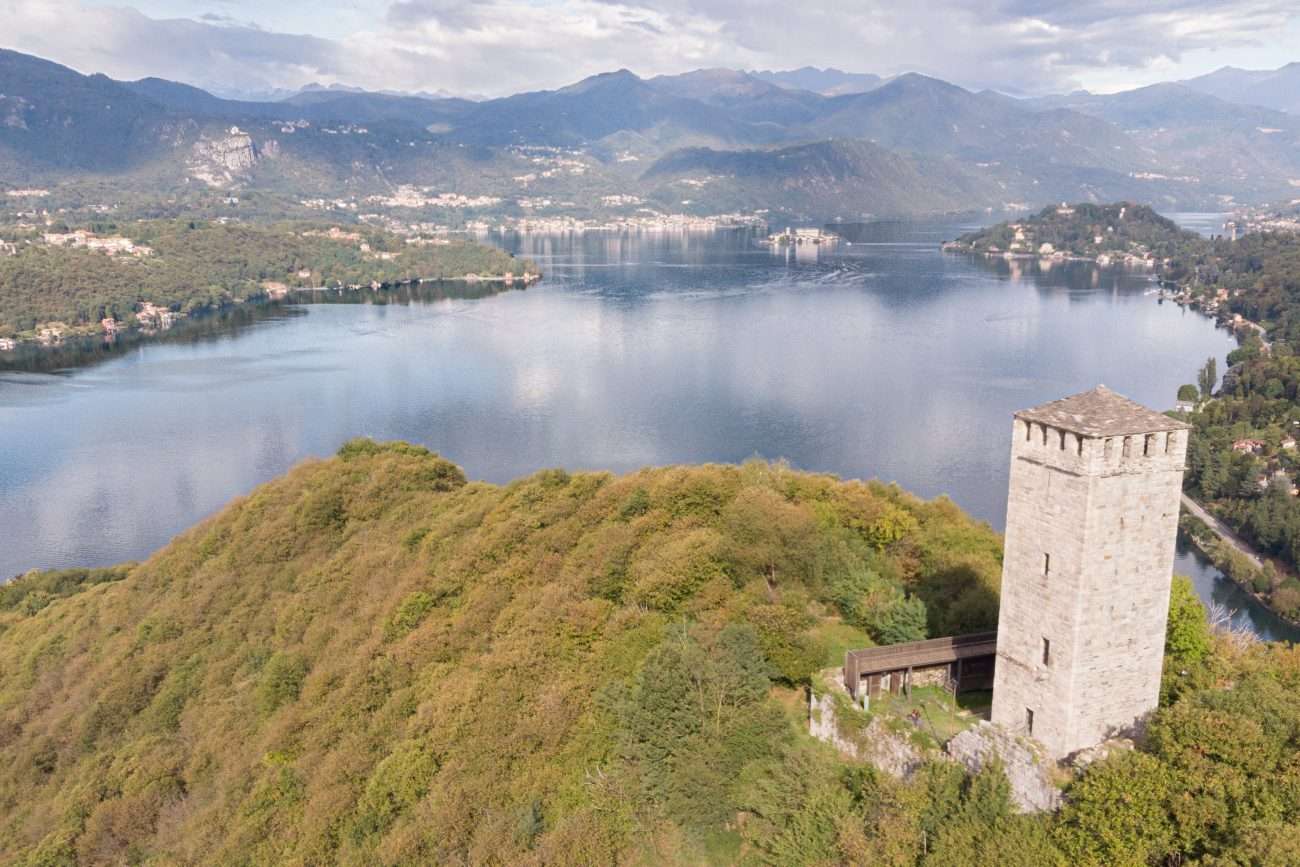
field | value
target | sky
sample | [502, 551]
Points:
[497, 47]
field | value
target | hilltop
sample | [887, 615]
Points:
[374, 660]
[1123, 231]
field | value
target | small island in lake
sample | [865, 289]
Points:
[138, 278]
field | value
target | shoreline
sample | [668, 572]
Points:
[1101, 260]
[1179, 294]
[1245, 587]
[88, 349]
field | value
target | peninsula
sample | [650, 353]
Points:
[109, 281]
[1122, 233]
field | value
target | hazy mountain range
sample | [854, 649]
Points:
[802, 142]
[1271, 88]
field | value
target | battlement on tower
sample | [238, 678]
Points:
[1103, 455]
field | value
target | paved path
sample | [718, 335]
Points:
[1224, 531]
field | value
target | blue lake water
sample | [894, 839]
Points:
[885, 358]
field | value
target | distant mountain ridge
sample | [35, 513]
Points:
[1271, 88]
[827, 82]
[703, 141]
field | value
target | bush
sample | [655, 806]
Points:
[409, 613]
[1287, 601]
[1187, 633]
[637, 503]
[397, 783]
[904, 620]
[1262, 582]
[35, 590]
[281, 681]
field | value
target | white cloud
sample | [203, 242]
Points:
[502, 46]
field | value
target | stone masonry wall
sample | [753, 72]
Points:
[1086, 567]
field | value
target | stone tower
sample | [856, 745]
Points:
[1091, 516]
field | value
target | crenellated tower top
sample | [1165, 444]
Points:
[1100, 413]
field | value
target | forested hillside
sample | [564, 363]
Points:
[1242, 460]
[1084, 230]
[192, 266]
[373, 660]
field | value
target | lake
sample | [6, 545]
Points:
[883, 358]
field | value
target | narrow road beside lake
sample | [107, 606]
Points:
[1223, 531]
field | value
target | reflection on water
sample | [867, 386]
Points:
[885, 359]
[227, 322]
[82, 351]
[1213, 585]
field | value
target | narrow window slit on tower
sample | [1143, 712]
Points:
[1079, 441]
[1047, 652]
[1128, 447]
[1029, 719]
[1044, 434]
[1029, 431]
[1147, 442]
[1047, 565]
[1169, 443]
[1062, 440]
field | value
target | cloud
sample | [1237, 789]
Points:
[503, 46]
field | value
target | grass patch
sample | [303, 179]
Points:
[977, 701]
[940, 718]
[839, 637]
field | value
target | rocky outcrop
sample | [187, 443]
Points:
[218, 161]
[234, 153]
[1028, 771]
[1081, 760]
[833, 719]
[889, 751]
[12, 111]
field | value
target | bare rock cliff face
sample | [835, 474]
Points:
[234, 153]
[12, 112]
[218, 161]
[1028, 772]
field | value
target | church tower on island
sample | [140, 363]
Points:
[1092, 512]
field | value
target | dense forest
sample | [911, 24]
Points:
[1242, 461]
[197, 266]
[375, 661]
